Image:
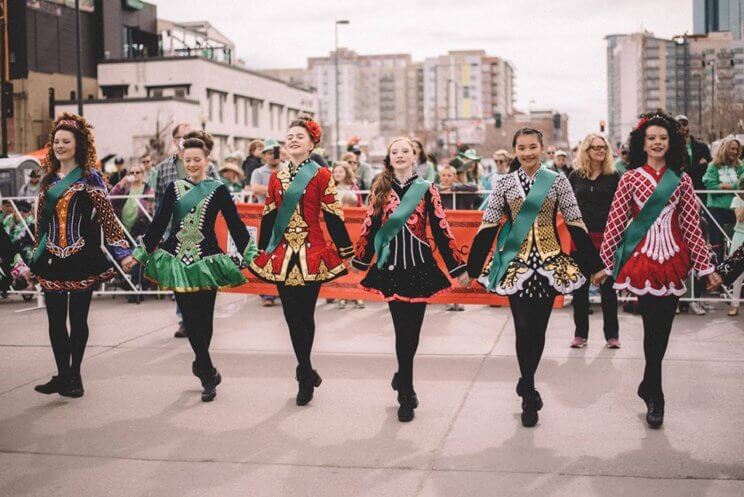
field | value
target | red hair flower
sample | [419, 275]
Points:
[315, 131]
[642, 123]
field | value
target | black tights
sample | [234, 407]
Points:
[198, 317]
[407, 320]
[657, 314]
[298, 305]
[531, 316]
[68, 348]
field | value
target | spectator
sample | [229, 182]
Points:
[737, 205]
[271, 156]
[468, 174]
[723, 174]
[347, 192]
[594, 181]
[19, 226]
[448, 187]
[253, 161]
[151, 174]
[501, 158]
[120, 171]
[698, 155]
[7, 217]
[550, 157]
[560, 163]
[364, 172]
[128, 210]
[621, 164]
[424, 169]
[31, 187]
[232, 175]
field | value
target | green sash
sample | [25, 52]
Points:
[512, 235]
[645, 219]
[289, 202]
[51, 198]
[398, 219]
[191, 199]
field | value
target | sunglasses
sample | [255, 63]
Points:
[136, 172]
[598, 148]
[500, 161]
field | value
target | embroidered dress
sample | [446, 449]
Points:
[411, 273]
[303, 255]
[73, 258]
[662, 261]
[540, 269]
[191, 260]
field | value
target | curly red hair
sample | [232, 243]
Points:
[85, 150]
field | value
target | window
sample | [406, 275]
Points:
[115, 91]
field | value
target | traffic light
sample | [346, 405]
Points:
[7, 95]
[497, 119]
[556, 121]
[602, 125]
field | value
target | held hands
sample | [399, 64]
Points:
[128, 263]
[714, 281]
[599, 277]
[464, 279]
[26, 275]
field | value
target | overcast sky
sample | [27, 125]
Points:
[557, 47]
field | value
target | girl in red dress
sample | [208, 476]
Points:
[660, 262]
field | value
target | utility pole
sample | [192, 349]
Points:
[4, 76]
[335, 64]
[78, 56]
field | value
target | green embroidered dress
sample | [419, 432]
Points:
[190, 260]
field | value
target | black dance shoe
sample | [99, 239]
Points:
[75, 387]
[181, 332]
[654, 407]
[210, 382]
[408, 402]
[55, 385]
[531, 403]
[394, 382]
[307, 385]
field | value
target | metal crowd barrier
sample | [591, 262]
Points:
[247, 197]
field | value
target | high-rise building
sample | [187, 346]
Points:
[718, 15]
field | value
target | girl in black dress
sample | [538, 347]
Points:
[405, 272]
[68, 261]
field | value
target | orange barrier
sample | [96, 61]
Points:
[464, 225]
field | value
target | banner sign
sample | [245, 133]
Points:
[464, 226]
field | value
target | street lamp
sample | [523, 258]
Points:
[335, 64]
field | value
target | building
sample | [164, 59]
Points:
[195, 38]
[42, 61]
[700, 76]
[709, 16]
[140, 101]
[543, 120]
[466, 85]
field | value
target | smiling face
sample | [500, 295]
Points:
[733, 150]
[446, 178]
[64, 145]
[401, 156]
[195, 161]
[339, 174]
[299, 143]
[597, 150]
[528, 151]
[656, 142]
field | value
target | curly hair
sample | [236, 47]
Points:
[85, 150]
[675, 155]
[384, 182]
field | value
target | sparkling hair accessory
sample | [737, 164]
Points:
[68, 122]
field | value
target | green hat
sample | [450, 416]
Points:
[470, 154]
[270, 145]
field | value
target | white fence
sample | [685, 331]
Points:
[125, 286]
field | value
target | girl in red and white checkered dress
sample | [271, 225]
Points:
[656, 269]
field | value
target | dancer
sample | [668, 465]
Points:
[594, 182]
[729, 270]
[295, 255]
[653, 239]
[190, 262]
[405, 273]
[528, 265]
[68, 261]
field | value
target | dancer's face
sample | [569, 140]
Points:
[656, 142]
[195, 161]
[64, 145]
[528, 150]
[401, 155]
[299, 142]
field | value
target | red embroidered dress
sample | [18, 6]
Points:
[674, 245]
[411, 273]
[303, 256]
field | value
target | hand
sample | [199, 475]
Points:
[464, 279]
[599, 277]
[26, 275]
[726, 186]
[128, 263]
[714, 281]
[353, 269]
